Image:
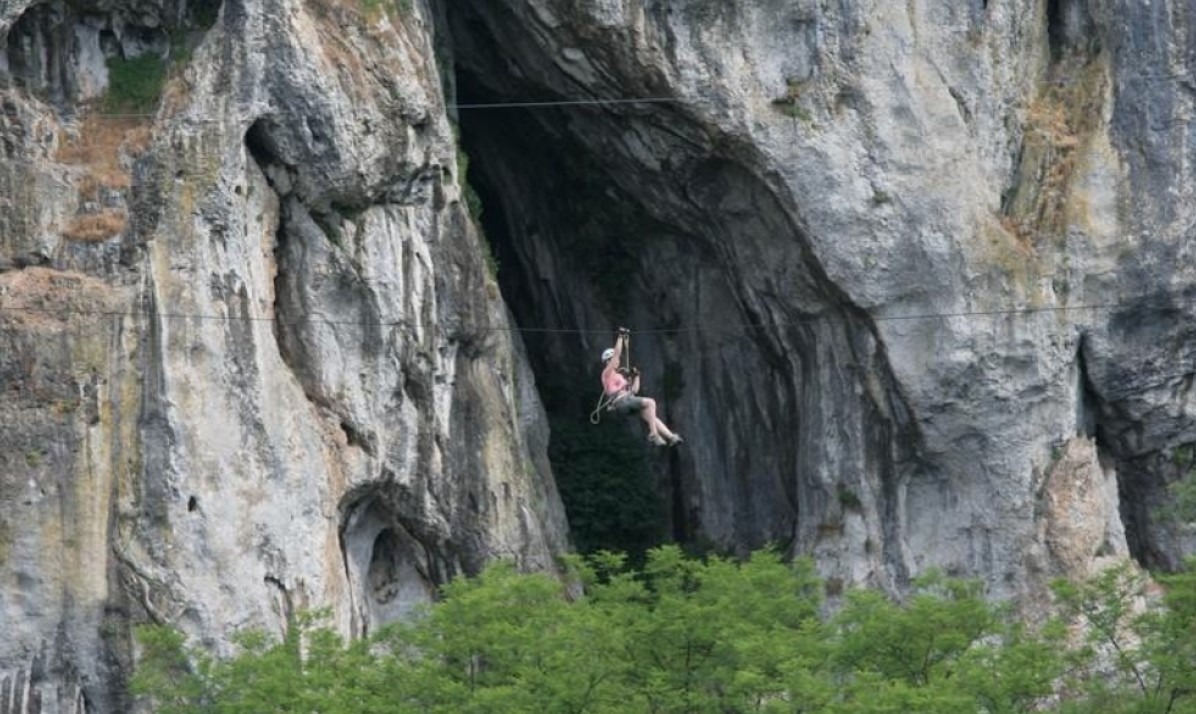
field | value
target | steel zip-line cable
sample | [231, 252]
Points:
[1189, 373]
[520, 104]
[547, 103]
[741, 326]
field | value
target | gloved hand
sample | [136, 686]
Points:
[635, 371]
[624, 332]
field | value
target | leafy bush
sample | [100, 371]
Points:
[134, 85]
[1181, 504]
[609, 493]
[1135, 661]
[699, 635]
[473, 202]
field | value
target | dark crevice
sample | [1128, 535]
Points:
[260, 142]
[1070, 29]
[600, 216]
[287, 606]
[1138, 489]
[265, 151]
[392, 555]
[315, 226]
[51, 49]
[22, 261]
[1089, 401]
[264, 147]
[1056, 32]
[961, 104]
[355, 437]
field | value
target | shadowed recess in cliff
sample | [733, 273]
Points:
[647, 215]
[392, 565]
[1151, 447]
[611, 496]
[264, 149]
[68, 54]
[310, 232]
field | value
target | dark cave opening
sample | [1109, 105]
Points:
[614, 492]
[654, 216]
[1070, 29]
[35, 47]
[392, 565]
[71, 55]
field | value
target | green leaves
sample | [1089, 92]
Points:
[685, 635]
[1144, 659]
[166, 674]
[608, 490]
[134, 84]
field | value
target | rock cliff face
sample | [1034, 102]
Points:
[912, 278]
[252, 357]
[910, 275]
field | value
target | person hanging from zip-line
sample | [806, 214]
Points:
[621, 388]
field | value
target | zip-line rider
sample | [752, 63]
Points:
[622, 394]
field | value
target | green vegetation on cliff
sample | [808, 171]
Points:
[134, 84]
[690, 635]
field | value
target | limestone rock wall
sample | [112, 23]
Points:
[912, 278]
[252, 358]
[889, 260]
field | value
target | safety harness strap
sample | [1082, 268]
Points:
[606, 402]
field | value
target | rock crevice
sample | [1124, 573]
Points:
[913, 279]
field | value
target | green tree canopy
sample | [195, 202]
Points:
[713, 635]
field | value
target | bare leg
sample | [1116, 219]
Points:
[656, 427]
[664, 431]
[648, 414]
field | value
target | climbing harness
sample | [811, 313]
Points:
[606, 401]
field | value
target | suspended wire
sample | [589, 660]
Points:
[615, 101]
[735, 327]
[520, 104]
[676, 330]
[574, 102]
[304, 320]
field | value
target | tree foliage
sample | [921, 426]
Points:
[134, 84]
[686, 635]
[606, 486]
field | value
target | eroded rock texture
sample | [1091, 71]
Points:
[912, 278]
[890, 259]
[253, 360]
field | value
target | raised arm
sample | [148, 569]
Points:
[613, 364]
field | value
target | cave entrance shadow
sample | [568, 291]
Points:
[657, 217]
[392, 568]
[540, 194]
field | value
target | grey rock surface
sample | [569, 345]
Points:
[252, 358]
[913, 279]
[889, 260]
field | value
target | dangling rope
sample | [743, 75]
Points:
[626, 361]
[606, 400]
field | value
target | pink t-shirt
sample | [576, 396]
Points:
[613, 383]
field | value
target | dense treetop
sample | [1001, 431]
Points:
[707, 635]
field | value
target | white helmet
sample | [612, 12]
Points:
[608, 353]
